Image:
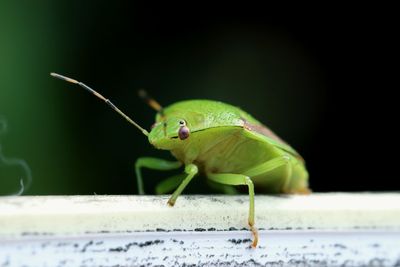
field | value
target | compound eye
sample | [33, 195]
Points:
[184, 131]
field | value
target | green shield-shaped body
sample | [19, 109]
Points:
[225, 139]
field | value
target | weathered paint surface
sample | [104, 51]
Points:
[209, 248]
[316, 230]
[83, 214]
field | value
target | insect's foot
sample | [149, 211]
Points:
[302, 191]
[255, 236]
[171, 203]
[305, 191]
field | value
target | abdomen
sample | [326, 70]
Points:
[227, 150]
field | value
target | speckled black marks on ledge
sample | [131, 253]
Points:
[240, 241]
[177, 241]
[37, 234]
[83, 250]
[339, 246]
[206, 249]
[139, 244]
[211, 229]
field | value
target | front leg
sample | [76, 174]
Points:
[191, 170]
[155, 164]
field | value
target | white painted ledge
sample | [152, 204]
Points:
[332, 229]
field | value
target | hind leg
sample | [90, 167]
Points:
[244, 179]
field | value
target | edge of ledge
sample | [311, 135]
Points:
[78, 215]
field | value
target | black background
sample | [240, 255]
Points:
[351, 146]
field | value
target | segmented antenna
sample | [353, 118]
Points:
[155, 105]
[108, 102]
[150, 101]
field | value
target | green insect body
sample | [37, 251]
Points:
[222, 142]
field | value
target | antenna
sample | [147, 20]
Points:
[150, 101]
[108, 102]
[155, 105]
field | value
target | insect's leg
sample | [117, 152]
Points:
[268, 166]
[169, 184]
[239, 179]
[191, 170]
[288, 179]
[244, 179]
[226, 189]
[296, 180]
[271, 165]
[155, 164]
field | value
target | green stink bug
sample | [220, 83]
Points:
[222, 141]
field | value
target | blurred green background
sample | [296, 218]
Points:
[280, 67]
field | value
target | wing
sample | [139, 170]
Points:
[264, 134]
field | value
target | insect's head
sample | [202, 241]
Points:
[168, 132]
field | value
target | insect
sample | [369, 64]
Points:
[221, 141]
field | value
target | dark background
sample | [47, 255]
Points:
[317, 75]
